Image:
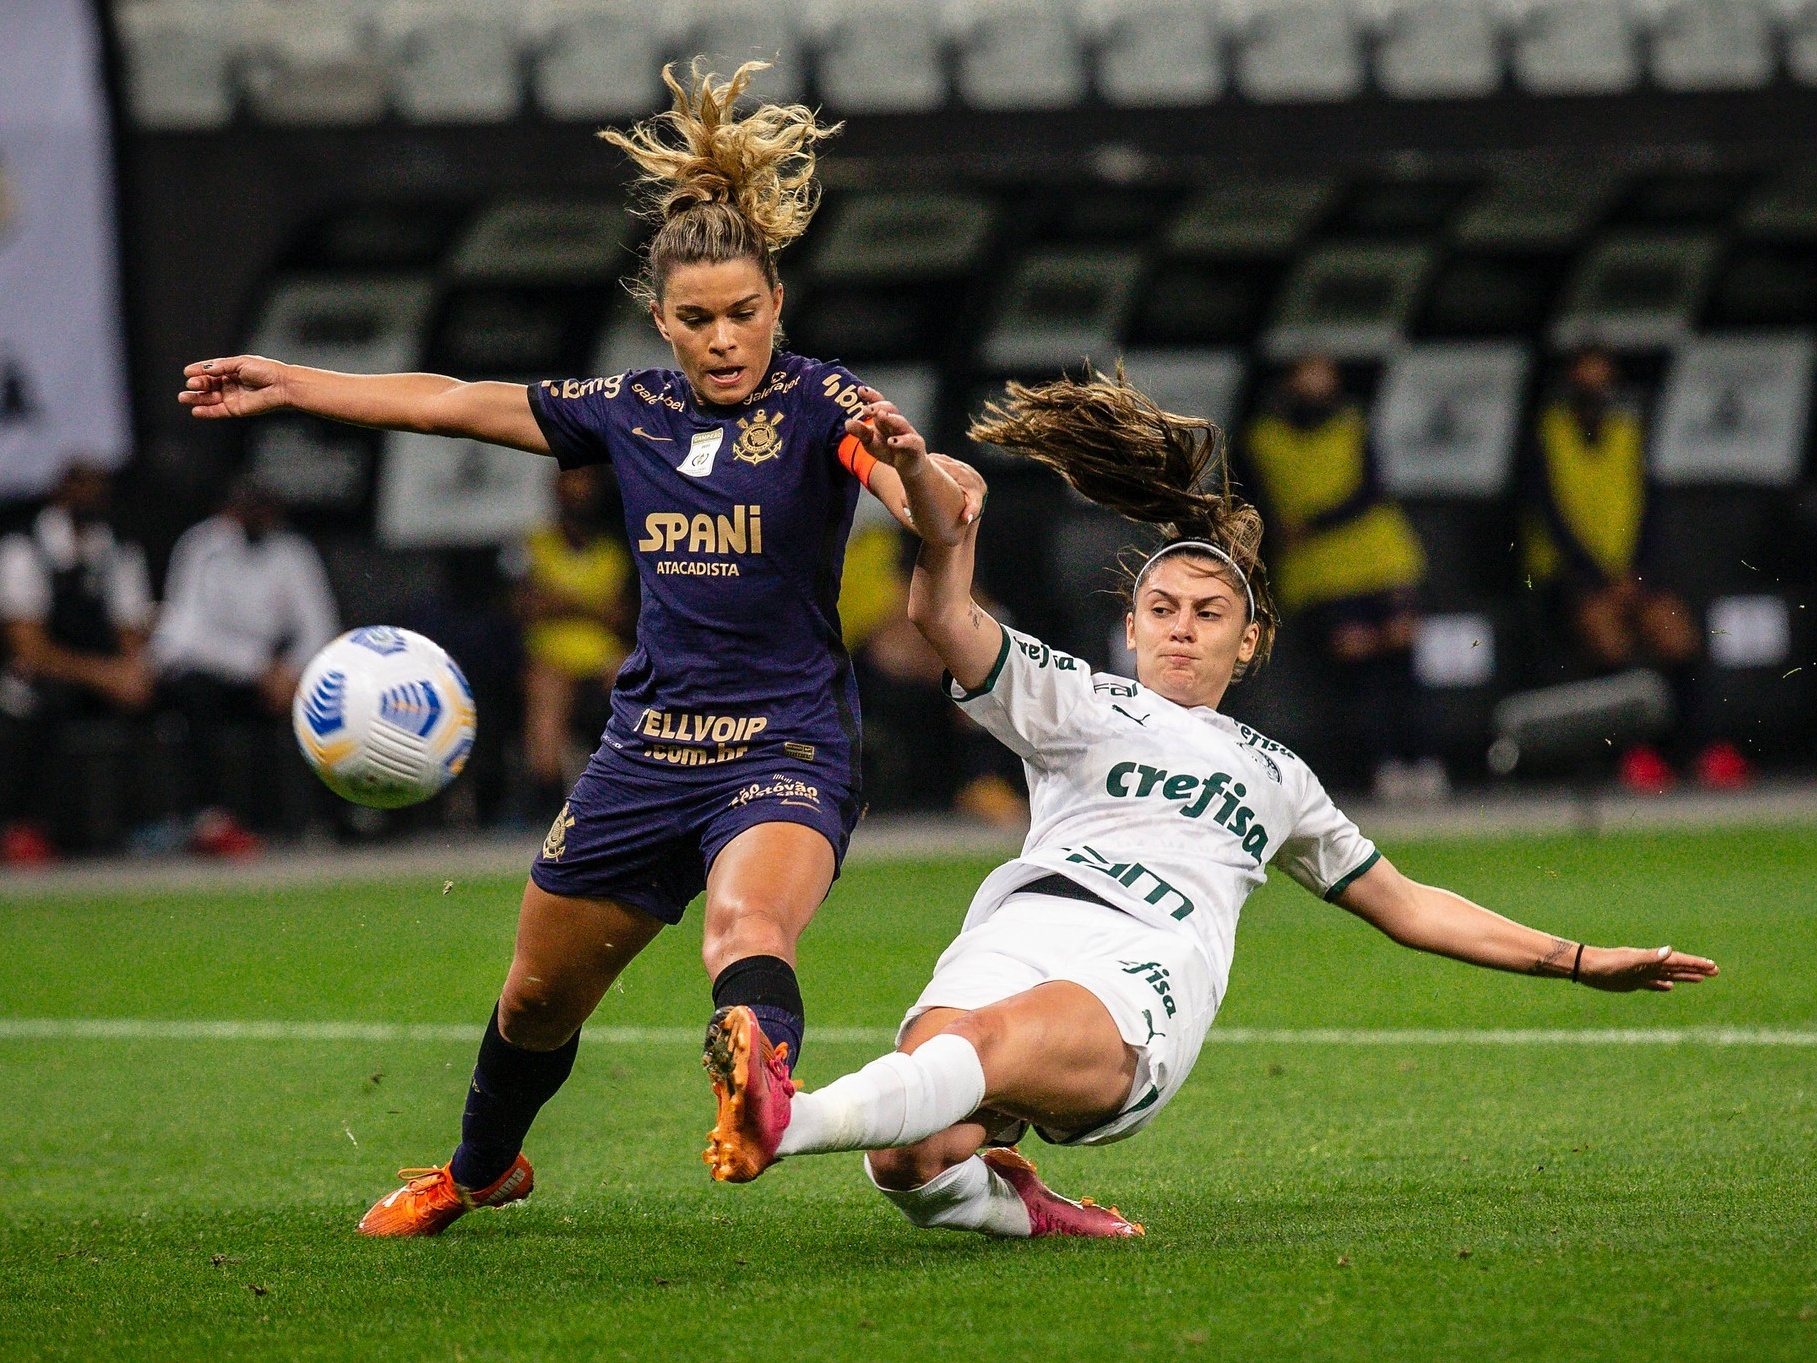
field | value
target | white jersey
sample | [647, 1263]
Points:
[1168, 813]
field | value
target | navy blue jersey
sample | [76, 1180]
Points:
[737, 518]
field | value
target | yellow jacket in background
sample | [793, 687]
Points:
[593, 577]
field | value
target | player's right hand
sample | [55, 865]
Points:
[242, 385]
[1621, 970]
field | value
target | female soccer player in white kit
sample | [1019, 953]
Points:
[1088, 970]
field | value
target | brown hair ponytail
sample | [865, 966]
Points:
[721, 187]
[1115, 446]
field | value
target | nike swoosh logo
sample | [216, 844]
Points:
[639, 430]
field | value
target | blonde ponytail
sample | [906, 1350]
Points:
[721, 187]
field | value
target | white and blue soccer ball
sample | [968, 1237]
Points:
[384, 716]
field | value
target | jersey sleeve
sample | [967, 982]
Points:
[1326, 851]
[574, 415]
[833, 397]
[1034, 699]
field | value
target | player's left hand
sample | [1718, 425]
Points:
[1621, 970]
[970, 481]
[886, 434]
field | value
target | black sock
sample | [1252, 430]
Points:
[768, 987]
[510, 1086]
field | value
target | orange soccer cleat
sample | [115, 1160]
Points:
[430, 1200]
[751, 1080]
[1051, 1214]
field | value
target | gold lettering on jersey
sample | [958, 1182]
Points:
[571, 389]
[779, 382]
[686, 736]
[759, 439]
[739, 533]
[783, 788]
[659, 399]
[843, 394]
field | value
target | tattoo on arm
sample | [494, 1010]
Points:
[977, 616]
[1556, 961]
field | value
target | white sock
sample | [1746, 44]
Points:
[969, 1196]
[895, 1100]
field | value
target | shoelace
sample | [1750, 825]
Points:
[416, 1180]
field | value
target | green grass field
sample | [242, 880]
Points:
[178, 1199]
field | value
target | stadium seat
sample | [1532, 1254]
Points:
[1248, 217]
[1801, 40]
[363, 324]
[1294, 50]
[1439, 49]
[1351, 300]
[1636, 289]
[1061, 306]
[177, 58]
[729, 32]
[455, 63]
[1735, 410]
[312, 63]
[901, 235]
[1017, 54]
[1154, 53]
[1447, 417]
[544, 242]
[879, 56]
[598, 59]
[1575, 47]
[439, 493]
[1712, 45]
[1537, 211]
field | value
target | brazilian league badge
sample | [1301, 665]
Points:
[759, 439]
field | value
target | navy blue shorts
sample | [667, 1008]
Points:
[645, 835]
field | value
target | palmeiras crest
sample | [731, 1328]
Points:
[758, 438]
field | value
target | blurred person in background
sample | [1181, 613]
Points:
[246, 605]
[1349, 559]
[1590, 540]
[920, 751]
[579, 605]
[76, 603]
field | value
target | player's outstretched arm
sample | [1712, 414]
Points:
[247, 385]
[1432, 919]
[940, 605]
[927, 485]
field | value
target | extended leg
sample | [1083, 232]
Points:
[568, 953]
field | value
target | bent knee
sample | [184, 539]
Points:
[535, 1017]
[908, 1167]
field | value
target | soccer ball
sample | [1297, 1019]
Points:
[384, 716]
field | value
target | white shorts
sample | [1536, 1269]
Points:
[1156, 985]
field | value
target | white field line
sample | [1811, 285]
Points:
[159, 1029]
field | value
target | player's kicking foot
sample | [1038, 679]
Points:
[430, 1200]
[1051, 1214]
[751, 1080]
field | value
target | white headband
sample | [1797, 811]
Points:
[1203, 547]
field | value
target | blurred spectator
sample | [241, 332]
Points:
[1347, 557]
[578, 601]
[76, 603]
[246, 606]
[469, 614]
[920, 750]
[1591, 541]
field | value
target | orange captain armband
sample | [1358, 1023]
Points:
[858, 461]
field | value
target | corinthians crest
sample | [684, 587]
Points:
[557, 841]
[758, 438]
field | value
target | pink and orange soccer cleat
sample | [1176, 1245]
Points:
[751, 1080]
[430, 1200]
[1051, 1214]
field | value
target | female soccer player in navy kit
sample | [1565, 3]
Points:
[731, 760]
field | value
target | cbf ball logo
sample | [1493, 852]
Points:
[381, 639]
